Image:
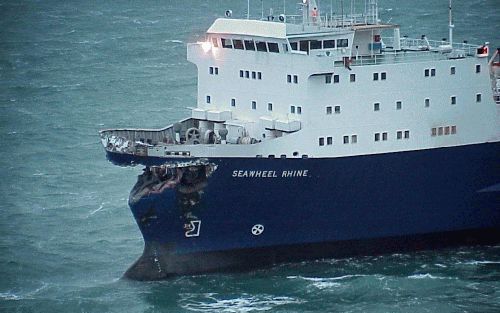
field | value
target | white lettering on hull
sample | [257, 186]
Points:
[269, 174]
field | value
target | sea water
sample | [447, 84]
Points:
[70, 68]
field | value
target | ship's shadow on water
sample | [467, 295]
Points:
[454, 280]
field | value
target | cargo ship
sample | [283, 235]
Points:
[316, 136]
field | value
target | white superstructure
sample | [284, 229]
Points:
[328, 86]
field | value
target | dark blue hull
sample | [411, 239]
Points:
[309, 208]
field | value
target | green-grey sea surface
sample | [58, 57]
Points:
[69, 68]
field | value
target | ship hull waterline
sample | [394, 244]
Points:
[242, 213]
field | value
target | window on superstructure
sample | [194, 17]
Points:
[426, 72]
[215, 43]
[292, 109]
[336, 79]
[247, 74]
[337, 109]
[304, 45]
[321, 141]
[254, 75]
[315, 44]
[453, 100]
[478, 68]
[254, 105]
[375, 76]
[399, 105]
[295, 79]
[328, 79]
[383, 76]
[352, 78]
[346, 139]
[328, 44]
[407, 134]
[226, 43]
[354, 138]
[285, 47]
[211, 70]
[216, 70]
[440, 131]
[288, 78]
[434, 132]
[427, 102]
[342, 43]
[208, 99]
[478, 97]
[433, 72]
[294, 45]
[399, 134]
[269, 106]
[384, 136]
[329, 141]
[238, 44]
[452, 70]
[259, 75]
[233, 102]
[377, 137]
[453, 129]
[249, 45]
[273, 47]
[328, 110]
[447, 130]
[376, 106]
[299, 110]
[242, 74]
[261, 46]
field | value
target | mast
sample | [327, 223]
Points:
[450, 25]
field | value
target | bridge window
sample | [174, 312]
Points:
[328, 44]
[377, 136]
[254, 75]
[426, 72]
[329, 141]
[292, 109]
[328, 79]
[342, 43]
[233, 102]
[261, 46]
[226, 43]
[328, 110]
[254, 105]
[304, 45]
[299, 110]
[478, 97]
[453, 100]
[249, 45]
[241, 73]
[295, 79]
[315, 44]
[352, 78]
[354, 138]
[336, 79]
[376, 106]
[383, 76]
[211, 70]
[293, 45]
[269, 106]
[433, 72]
[427, 102]
[247, 74]
[375, 76]
[384, 136]
[208, 99]
[238, 44]
[452, 70]
[321, 141]
[337, 109]
[399, 105]
[288, 78]
[478, 68]
[259, 75]
[346, 139]
[273, 47]
[215, 43]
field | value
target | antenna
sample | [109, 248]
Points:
[248, 9]
[450, 25]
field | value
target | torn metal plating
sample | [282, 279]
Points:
[188, 178]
